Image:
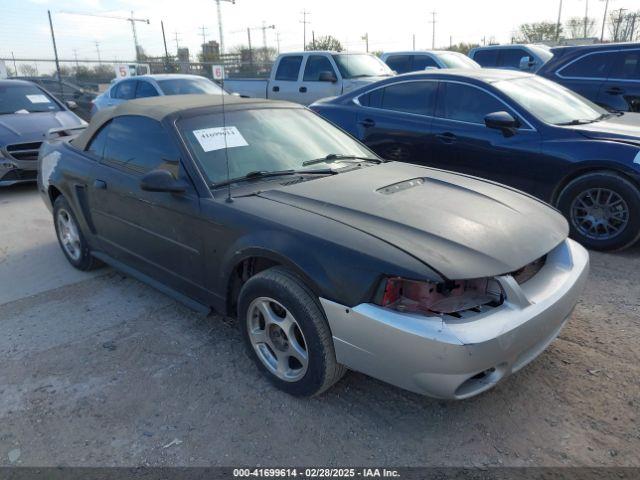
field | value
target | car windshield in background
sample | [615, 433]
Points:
[457, 60]
[185, 86]
[361, 65]
[25, 99]
[550, 102]
[263, 140]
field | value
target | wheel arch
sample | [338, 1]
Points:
[614, 169]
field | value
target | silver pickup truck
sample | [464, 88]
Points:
[305, 77]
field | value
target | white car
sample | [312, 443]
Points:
[153, 86]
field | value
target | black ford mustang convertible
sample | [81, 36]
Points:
[330, 257]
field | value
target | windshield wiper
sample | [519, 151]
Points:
[334, 157]
[272, 173]
[579, 121]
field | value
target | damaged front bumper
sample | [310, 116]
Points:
[456, 358]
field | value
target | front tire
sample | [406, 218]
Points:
[70, 237]
[603, 210]
[287, 334]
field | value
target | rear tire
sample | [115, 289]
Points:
[286, 333]
[70, 237]
[603, 210]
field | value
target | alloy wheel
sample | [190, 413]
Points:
[68, 234]
[277, 339]
[599, 213]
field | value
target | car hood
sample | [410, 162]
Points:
[33, 127]
[461, 226]
[624, 128]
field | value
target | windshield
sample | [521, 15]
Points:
[268, 139]
[22, 98]
[185, 86]
[361, 65]
[457, 60]
[550, 102]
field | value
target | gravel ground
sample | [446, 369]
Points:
[101, 370]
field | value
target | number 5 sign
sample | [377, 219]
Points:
[218, 72]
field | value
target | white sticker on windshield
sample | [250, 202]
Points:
[38, 98]
[211, 139]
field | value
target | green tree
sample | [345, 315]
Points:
[538, 32]
[327, 42]
[462, 47]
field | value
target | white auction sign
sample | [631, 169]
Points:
[218, 72]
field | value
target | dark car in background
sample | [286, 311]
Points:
[515, 128]
[419, 60]
[74, 96]
[607, 74]
[27, 114]
[524, 57]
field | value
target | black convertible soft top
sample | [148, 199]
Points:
[160, 107]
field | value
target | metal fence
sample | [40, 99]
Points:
[96, 75]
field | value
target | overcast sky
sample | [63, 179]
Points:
[24, 27]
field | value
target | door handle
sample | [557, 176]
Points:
[99, 184]
[276, 89]
[367, 123]
[615, 91]
[302, 89]
[447, 137]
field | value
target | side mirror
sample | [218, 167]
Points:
[161, 181]
[327, 77]
[502, 121]
[526, 63]
[71, 105]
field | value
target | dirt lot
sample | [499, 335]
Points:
[102, 370]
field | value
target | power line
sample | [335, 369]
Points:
[203, 32]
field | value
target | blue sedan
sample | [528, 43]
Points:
[514, 128]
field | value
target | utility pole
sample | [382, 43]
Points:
[304, 29]
[55, 49]
[414, 42]
[278, 41]
[559, 24]
[586, 17]
[175, 36]
[250, 50]
[220, 32]
[618, 23]
[450, 41]
[75, 55]
[604, 19]
[203, 32]
[98, 50]
[166, 52]
[433, 38]
[365, 37]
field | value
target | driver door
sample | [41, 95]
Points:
[156, 233]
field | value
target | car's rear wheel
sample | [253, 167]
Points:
[287, 334]
[603, 210]
[72, 241]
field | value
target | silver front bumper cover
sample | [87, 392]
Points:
[458, 358]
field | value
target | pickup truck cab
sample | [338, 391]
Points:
[305, 77]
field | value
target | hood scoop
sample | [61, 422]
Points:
[401, 186]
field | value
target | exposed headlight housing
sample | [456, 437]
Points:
[432, 299]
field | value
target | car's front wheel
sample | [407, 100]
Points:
[603, 210]
[71, 239]
[286, 333]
